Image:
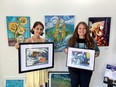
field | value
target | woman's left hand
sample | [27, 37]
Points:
[97, 54]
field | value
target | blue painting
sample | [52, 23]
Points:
[14, 83]
[37, 56]
[59, 29]
[16, 26]
[80, 58]
[59, 79]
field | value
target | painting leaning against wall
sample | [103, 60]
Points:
[16, 26]
[13, 81]
[59, 29]
[59, 79]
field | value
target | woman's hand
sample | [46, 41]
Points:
[17, 45]
[66, 50]
[97, 54]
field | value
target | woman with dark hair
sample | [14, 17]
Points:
[40, 77]
[81, 39]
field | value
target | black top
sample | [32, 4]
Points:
[81, 43]
[81, 40]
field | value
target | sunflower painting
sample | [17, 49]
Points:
[17, 25]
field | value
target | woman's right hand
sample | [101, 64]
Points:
[66, 50]
[17, 45]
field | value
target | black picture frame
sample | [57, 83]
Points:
[35, 56]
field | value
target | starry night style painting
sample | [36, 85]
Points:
[59, 29]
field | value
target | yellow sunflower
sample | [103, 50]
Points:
[13, 26]
[23, 20]
[21, 30]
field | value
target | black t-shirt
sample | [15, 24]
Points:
[81, 43]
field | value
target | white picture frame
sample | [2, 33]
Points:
[81, 58]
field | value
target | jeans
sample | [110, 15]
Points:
[79, 77]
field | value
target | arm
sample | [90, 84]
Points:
[66, 50]
[97, 51]
[17, 44]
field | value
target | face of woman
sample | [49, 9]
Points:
[38, 30]
[81, 31]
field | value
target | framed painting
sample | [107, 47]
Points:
[14, 81]
[110, 75]
[81, 58]
[35, 56]
[16, 26]
[59, 79]
[100, 29]
[58, 29]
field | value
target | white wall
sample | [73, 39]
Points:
[36, 9]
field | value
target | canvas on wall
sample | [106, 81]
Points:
[100, 29]
[16, 26]
[59, 29]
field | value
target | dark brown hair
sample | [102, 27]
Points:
[35, 24]
[88, 38]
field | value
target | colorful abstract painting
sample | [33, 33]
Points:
[59, 29]
[80, 58]
[15, 83]
[16, 26]
[37, 56]
[100, 29]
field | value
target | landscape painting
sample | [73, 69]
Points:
[59, 29]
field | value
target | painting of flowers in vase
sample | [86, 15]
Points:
[17, 26]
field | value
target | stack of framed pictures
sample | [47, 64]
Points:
[81, 58]
[110, 74]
